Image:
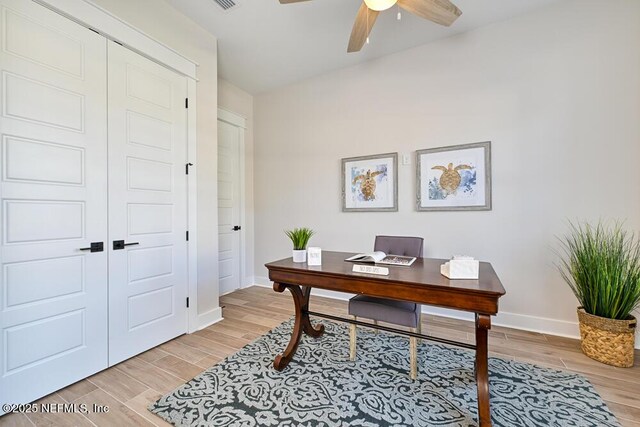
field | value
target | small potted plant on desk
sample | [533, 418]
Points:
[602, 266]
[300, 237]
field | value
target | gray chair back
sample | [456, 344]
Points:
[399, 245]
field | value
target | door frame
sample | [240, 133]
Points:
[192, 211]
[96, 18]
[240, 121]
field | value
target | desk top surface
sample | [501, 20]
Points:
[424, 271]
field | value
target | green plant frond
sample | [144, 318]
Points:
[601, 265]
[299, 237]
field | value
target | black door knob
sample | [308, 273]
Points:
[236, 228]
[120, 244]
[95, 247]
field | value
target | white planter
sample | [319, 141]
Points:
[300, 256]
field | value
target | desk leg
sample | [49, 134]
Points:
[307, 327]
[483, 324]
[302, 322]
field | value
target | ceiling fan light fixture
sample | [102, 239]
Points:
[379, 5]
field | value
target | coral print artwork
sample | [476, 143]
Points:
[369, 183]
[454, 178]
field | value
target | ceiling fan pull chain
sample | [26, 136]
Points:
[399, 14]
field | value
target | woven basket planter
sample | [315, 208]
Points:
[607, 340]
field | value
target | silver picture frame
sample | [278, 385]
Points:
[431, 206]
[377, 162]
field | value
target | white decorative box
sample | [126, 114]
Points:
[314, 256]
[461, 267]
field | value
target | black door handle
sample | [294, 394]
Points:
[120, 244]
[95, 247]
[236, 228]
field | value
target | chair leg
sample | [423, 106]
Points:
[419, 328]
[375, 322]
[352, 340]
[413, 355]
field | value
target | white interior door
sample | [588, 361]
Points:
[147, 204]
[53, 125]
[229, 227]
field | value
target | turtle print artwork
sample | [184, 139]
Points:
[450, 179]
[368, 186]
[454, 178]
[370, 183]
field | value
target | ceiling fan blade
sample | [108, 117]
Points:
[361, 28]
[441, 12]
[291, 1]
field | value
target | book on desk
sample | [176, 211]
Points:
[380, 257]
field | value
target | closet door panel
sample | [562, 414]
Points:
[53, 184]
[147, 204]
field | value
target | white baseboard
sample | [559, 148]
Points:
[209, 318]
[524, 322]
[248, 282]
[262, 281]
[543, 325]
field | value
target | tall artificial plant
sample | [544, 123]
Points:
[601, 265]
[300, 237]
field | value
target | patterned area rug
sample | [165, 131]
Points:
[321, 387]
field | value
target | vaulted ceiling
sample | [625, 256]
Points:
[263, 45]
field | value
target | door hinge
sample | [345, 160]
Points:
[187, 302]
[186, 103]
[186, 168]
[187, 235]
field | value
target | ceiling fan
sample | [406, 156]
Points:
[441, 12]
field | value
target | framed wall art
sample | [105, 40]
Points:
[370, 183]
[454, 178]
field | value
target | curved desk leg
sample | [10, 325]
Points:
[302, 323]
[483, 324]
[307, 327]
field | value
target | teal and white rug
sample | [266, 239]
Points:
[321, 387]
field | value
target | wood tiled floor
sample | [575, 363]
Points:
[130, 386]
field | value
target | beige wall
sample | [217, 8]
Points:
[168, 26]
[556, 91]
[235, 100]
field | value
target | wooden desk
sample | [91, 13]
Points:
[421, 283]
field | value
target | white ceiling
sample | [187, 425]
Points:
[263, 45]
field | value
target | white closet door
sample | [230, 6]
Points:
[53, 126]
[228, 206]
[147, 204]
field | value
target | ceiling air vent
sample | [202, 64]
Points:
[226, 4]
